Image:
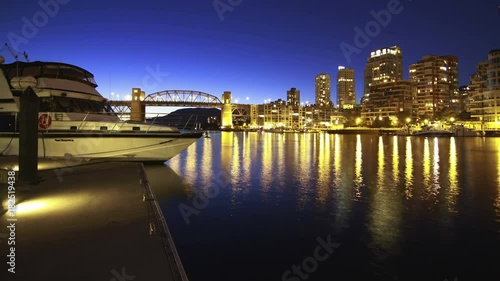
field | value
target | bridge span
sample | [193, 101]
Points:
[136, 107]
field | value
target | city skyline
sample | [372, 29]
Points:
[250, 49]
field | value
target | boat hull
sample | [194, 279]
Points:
[433, 134]
[104, 146]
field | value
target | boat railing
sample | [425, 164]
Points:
[87, 121]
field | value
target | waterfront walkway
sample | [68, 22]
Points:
[93, 222]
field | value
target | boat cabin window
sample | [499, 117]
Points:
[31, 71]
[66, 105]
[98, 107]
[48, 69]
[61, 104]
[85, 106]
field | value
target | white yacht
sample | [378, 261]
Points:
[433, 131]
[76, 121]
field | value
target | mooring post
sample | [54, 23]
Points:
[28, 137]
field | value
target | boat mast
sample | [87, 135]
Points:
[11, 52]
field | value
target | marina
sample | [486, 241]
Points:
[241, 140]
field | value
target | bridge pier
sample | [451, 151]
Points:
[227, 111]
[137, 107]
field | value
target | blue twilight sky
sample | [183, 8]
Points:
[255, 48]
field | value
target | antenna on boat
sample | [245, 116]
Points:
[26, 56]
[11, 52]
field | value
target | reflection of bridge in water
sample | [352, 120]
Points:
[175, 98]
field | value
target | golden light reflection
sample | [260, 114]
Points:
[395, 160]
[191, 165]
[342, 192]
[324, 168]
[453, 176]
[408, 169]
[435, 168]
[207, 167]
[336, 161]
[357, 167]
[385, 213]
[427, 165]
[174, 163]
[305, 170]
[267, 163]
[280, 162]
[247, 163]
[236, 158]
[226, 150]
[380, 163]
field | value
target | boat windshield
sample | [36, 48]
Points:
[49, 70]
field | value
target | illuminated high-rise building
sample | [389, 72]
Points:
[388, 100]
[346, 90]
[293, 97]
[323, 90]
[436, 84]
[485, 96]
[383, 66]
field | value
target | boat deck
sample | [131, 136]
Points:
[88, 223]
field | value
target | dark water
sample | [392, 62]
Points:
[400, 208]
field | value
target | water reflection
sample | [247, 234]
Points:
[182, 164]
[435, 168]
[358, 180]
[267, 163]
[248, 142]
[408, 169]
[380, 163]
[385, 214]
[234, 147]
[427, 167]
[395, 160]
[309, 183]
[304, 171]
[337, 161]
[453, 177]
[324, 171]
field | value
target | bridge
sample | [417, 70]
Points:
[177, 98]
